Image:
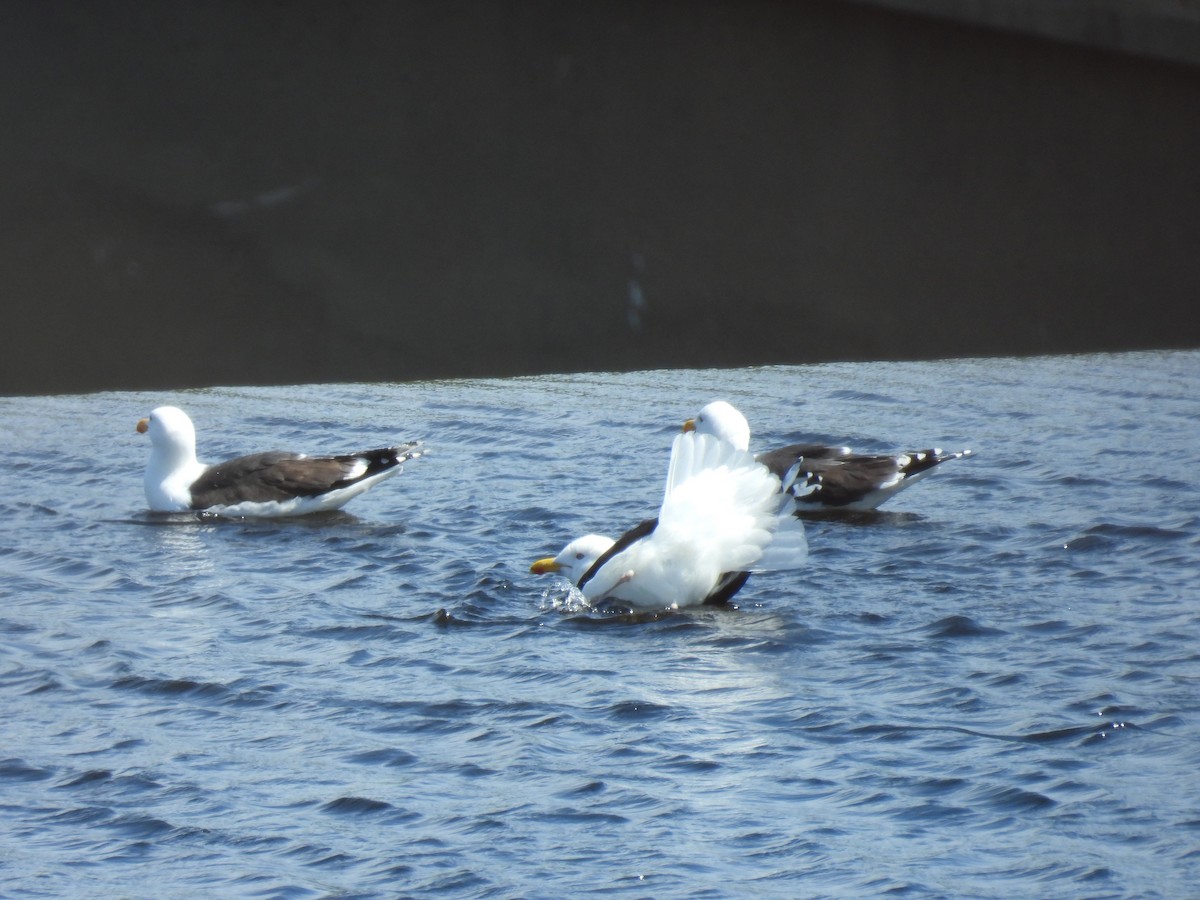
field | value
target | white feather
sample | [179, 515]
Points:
[788, 548]
[719, 510]
[172, 467]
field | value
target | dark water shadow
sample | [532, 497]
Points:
[317, 520]
[860, 518]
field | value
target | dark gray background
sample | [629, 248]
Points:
[220, 193]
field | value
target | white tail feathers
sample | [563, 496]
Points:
[729, 506]
[693, 453]
[788, 548]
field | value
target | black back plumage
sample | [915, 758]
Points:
[278, 476]
[832, 476]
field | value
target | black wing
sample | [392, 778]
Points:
[781, 460]
[730, 584]
[636, 533]
[850, 478]
[278, 475]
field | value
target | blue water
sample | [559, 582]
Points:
[992, 689]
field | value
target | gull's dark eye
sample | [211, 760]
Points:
[579, 556]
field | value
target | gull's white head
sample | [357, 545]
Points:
[172, 466]
[575, 558]
[171, 431]
[722, 421]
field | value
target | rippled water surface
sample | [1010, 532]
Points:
[990, 689]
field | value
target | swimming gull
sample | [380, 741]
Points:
[275, 483]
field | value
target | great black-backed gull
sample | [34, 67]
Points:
[275, 483]
[719, 520]
[832, 478]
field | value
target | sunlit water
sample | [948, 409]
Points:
[992, 689]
